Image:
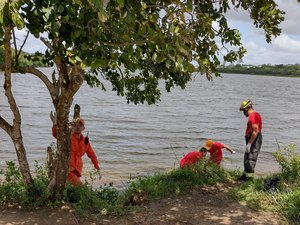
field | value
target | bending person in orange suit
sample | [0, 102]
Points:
[79, 146]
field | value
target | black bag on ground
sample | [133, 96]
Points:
[270, 184]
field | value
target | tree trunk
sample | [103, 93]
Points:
[60, 171]
[14, 131]
[73, 79]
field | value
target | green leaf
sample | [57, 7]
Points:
[1, 16]
[142, 29]
[98, 4]
[190, 5]
[121, 3]
[102, 15]
[19, 23]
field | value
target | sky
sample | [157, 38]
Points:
[285, 49]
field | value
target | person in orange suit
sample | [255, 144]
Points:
[80, 146]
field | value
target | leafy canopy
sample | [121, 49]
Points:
[133, 44]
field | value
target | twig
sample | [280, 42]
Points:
[175, 154]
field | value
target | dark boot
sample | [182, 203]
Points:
[243, 177]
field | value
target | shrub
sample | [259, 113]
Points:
[12, 190]
[290, 205]
[179, 180]
[289, 162]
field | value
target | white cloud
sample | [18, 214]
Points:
[276, 53]
[251, 45]
[286, 44]
[284, 49]
[32, 44]
[292, 17]
[290, 25]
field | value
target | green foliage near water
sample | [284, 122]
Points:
[179, 180]
[86, 200]
[273, 70]
[23, 59]
[284, 198]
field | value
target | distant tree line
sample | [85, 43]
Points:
[24, 61]
[272, 70]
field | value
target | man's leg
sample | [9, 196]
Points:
[74, 179]
[250, 158]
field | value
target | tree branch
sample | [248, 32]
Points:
[5, 126]
[43, 77]
[20, 50]
[7, 77]
[46, 42]
[16, 47]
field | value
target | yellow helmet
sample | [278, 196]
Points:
[245, 104]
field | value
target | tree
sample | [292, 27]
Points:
[132, 44]
[14, 130]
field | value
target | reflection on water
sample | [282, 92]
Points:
[131, 139]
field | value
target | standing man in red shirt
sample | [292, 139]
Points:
[253, 137]
[215, 150]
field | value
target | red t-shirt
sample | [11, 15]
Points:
[191, 158]
[254, 118]
[216, 153]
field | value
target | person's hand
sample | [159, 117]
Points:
[248, 147]
[53, 117]
[232, 152]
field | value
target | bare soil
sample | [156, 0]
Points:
[210, 205]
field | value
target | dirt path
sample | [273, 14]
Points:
[207, 206]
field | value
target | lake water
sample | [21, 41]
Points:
[135, 140]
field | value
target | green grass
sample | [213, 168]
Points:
[89, 202]
[179, 180]
[285, 199]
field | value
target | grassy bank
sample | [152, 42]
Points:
[281, 196]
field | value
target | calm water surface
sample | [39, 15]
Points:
[140, 139]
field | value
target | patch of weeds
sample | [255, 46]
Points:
[284, 196]
[179, 180]
[12, 189]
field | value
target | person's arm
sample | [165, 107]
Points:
[91, 154]
[254, 133]
[228, 149]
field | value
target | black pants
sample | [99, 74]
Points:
[251, 157]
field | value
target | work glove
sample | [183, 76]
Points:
[248, 147]
[53, 117]
[232, 152]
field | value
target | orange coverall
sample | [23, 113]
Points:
[78, 149]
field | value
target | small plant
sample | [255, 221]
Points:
[86, 200]
[290, 205]
[12, 190]
[289, 162]
[108, 194]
